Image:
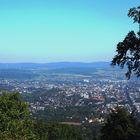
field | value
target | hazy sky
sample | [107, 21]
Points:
[62, 30]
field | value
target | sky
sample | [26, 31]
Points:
[44, 31]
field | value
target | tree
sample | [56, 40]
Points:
[41, 129]
[128, 51]
[120, 125]
[15, 123]
[53, 131]
[14, 118]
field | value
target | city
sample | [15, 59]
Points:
[90, 97]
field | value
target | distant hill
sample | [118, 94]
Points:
[56, 65]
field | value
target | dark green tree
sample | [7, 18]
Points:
[128, 51]
[53, 131]
[41, 130]
[120, 125]
[14, 118]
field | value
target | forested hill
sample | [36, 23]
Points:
[54, 65]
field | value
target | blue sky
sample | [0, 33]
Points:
[62, 30]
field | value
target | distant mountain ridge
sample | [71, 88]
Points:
[56, 65]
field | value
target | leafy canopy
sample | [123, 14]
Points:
[120, 125]
[128, 51]
[14, 118]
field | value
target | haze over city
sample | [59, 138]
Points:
[60, 30]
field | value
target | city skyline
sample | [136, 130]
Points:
[59, 30]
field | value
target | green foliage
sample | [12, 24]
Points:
[40, 128]
[15, 123]
[135, 14]
[56, 131]
[14, 118]
[91, 131]
[128, 51]
[120, 125]
[63, 132]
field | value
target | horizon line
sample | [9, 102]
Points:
[55, 62]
